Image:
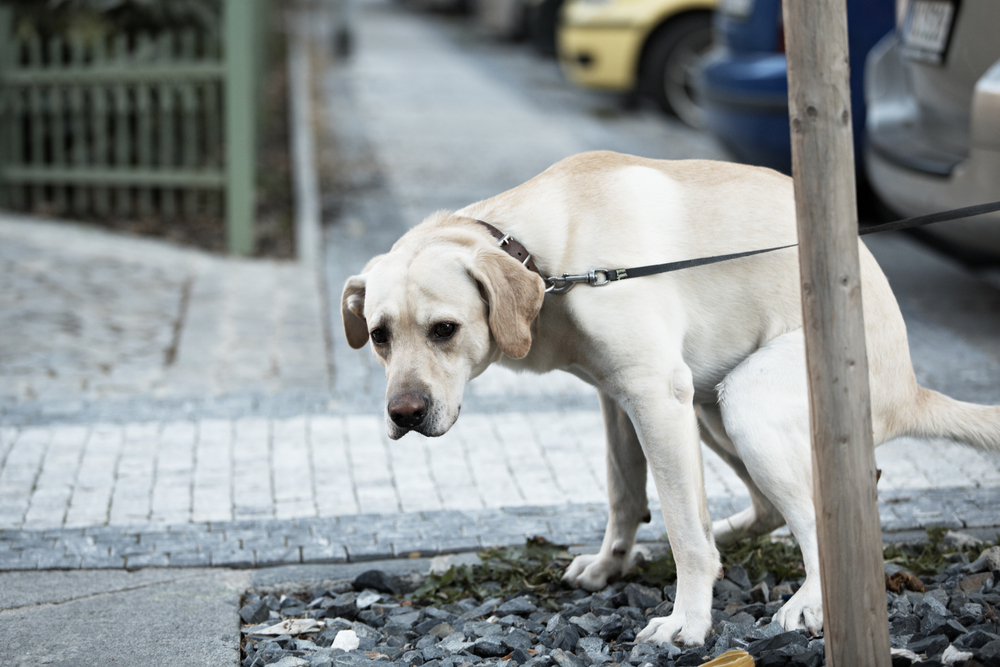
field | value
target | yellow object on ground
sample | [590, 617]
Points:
[731, 659]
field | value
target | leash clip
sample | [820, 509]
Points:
[561, 285]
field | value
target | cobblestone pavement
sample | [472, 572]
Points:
[161, 406]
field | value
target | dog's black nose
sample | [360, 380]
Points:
[408, 410]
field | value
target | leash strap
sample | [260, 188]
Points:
[897, 225]
[653, 269]
[598, 277]
[931, 218]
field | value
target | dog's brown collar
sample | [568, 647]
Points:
[512, 247]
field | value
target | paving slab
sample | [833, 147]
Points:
[152, 617]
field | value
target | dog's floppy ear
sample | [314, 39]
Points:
[515, 296]
[352, 309]
[352, 306]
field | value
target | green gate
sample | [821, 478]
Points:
[158, 122]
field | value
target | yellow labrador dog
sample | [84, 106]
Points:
[719, 346]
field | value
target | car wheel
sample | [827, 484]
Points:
[670, 66]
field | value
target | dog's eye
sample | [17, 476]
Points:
[379, 336]
[444, 330]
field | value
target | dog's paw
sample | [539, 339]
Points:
[593, 572]
[676, 629]
[802, 611]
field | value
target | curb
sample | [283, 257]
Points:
[360, 538]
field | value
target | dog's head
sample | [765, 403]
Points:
[439, 308]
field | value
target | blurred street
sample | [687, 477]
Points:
[163, 392]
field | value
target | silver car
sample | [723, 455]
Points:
[933, 98]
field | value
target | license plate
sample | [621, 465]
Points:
[739, 9]
[927, 28]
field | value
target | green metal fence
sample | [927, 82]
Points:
[155, 123]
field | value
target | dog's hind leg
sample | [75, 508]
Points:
[627, 501]
[761, 517]
[765, 409]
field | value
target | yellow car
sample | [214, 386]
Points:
[647, 46]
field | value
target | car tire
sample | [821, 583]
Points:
[668, 70]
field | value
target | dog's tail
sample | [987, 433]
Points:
[939, 416]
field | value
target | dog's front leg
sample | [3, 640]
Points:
[664, 415]
[627, 503]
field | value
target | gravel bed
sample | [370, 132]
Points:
[370, 621]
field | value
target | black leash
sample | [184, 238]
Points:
[598, 277]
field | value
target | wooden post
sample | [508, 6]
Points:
[850, 546]
[241, 106]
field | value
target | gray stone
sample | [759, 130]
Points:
[540, 661]
[489, 647]
[613, 627]
[776, 642]
[488, 606]
[434, 653]
[663, 609]
[413, 658]
[442, 630]
[642, 653]
[518, 605]
[595, 649]
[482, 629]
[564, 659]
[588, 623]
[988, 561]
[365, 631]
[520, 656]
[727, 592]
[738, 575]
[735, 629]
[557, 621]
[781, 593]
[407, 619]
[975, 639]
[642, 597]
[759, 593]
[290, 661]
[378, 580]
[342, 606]
[975, 583]
[391, 652]
[901, 605]
[772, 629]
[454, 643]
[517, 639]
[929, 646]
[938, 594]
[255, 612]
[905, 625]
[565, 638]
[930, 605]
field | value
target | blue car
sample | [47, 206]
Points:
[743, 83]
